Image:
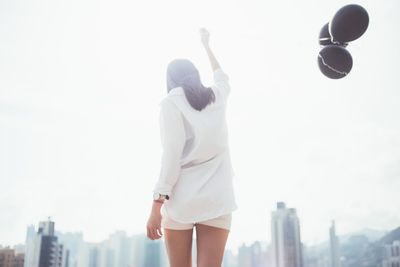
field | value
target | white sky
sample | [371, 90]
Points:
[80, 83]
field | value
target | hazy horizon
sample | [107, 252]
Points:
[80, 84]
[369, 232]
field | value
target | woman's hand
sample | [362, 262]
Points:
[154, 222]
[205, 39]
[205, 36]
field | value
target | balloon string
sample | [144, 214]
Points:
[331, 68]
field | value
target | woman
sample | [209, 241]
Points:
[195, 186]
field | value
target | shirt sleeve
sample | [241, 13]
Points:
[221, 80]
[173, 138]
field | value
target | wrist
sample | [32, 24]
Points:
[156, 207]
[158, 202]
[160, 197]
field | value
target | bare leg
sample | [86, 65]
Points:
[211, 243]
[179, 247]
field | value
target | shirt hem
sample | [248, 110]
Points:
[206, 218]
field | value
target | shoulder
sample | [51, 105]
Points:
[174, 99]
[169, 107]
[166, 103]
[172, 95]
[220, 75]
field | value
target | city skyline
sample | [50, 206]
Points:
[46, 247]
[80, 84]
[281, 216]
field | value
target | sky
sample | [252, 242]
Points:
[80, 84]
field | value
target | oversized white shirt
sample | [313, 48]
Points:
[196, 170]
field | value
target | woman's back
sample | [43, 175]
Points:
[204, 188]
[206, 130]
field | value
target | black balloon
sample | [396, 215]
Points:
[335, 61]
[349, 23]
[324, 35]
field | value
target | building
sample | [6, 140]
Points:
[258, 255]
[244, 256]
[8, 258]
[88, 255]
[96, 255]
[154, 254]
[121, 250]
[286, 243]
[334, 246]
[43, 249]
[19, 260]
[72, 242]
[229, 259]
[119, 246]
[254, 255]
[391, 255]
[29, 245]
[138, 249]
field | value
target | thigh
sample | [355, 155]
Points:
[179, 247]
[211, 243]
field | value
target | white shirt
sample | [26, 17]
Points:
[196, 169]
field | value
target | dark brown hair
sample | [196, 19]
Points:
[183, 73]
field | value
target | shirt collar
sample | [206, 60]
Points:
[176, 91]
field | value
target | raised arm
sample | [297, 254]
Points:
[205, 39]
[221, 80]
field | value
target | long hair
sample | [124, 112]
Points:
[183, 73]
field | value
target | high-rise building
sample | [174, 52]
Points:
[391, 254]
[286, 242]
[244, 256]
[334, 247]
[29, 245]
[121, 246]
[252, 256]
[88, 255]
[138, 250]
[43, 249]
[72, 242]
[8, 258]
[120, 250]
[96, 255]
[154, 254]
